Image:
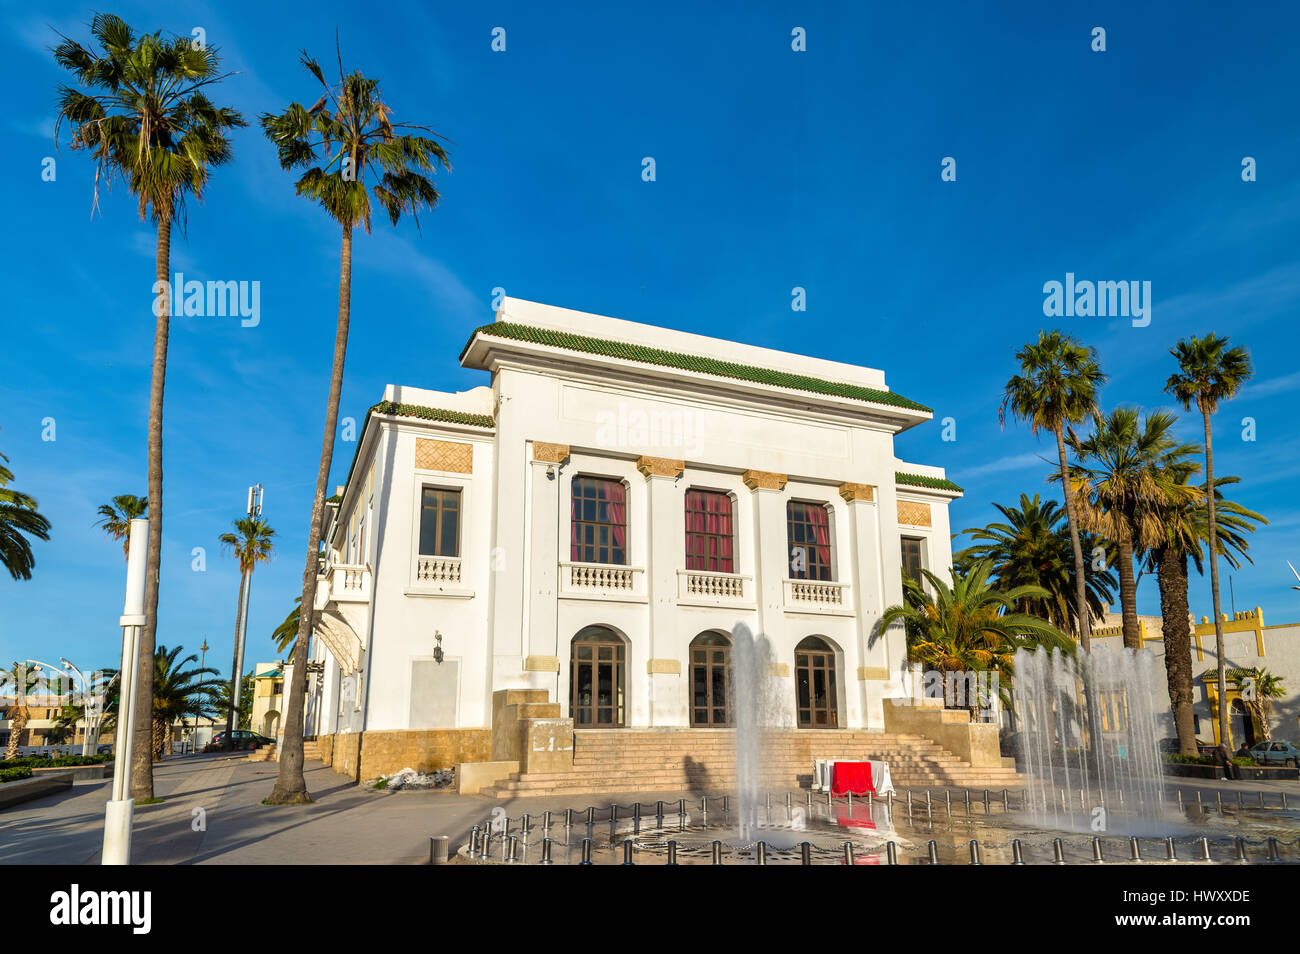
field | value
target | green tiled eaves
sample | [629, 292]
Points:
[687, 362]
[432, 414]
[920, 480]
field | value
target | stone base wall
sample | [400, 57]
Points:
[363, 755]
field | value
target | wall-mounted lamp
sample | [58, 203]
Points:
[437, 650]
[550, 472]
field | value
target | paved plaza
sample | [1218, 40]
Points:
[347, 823]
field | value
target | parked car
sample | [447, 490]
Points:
[1275, 753]
[243, 740]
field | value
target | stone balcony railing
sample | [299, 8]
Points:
[705, 586]
[343, 583]
[602, 580]
[435, 570]
[817, 596]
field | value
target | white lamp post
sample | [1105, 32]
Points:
[118, 812]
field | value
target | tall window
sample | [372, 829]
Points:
[599, 533]
[708, 531]
[912, 557]
[440, 522]
[808, 530]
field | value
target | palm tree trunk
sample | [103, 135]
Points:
[142, 746]
[234, 665]
[290, 786]
[1084, 625]
[1171, 574]
[1214, 581]
[1127, 590]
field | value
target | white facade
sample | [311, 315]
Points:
[577, 396]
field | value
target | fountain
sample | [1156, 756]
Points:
[1089, 739]
[750, 659]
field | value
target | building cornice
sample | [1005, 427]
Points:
[922, 483]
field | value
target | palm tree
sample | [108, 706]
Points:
[1033, 548]
[349, 132]
[251, 544]
[1185, 530]
[19, 520]
[1210, 372]
[176, 690]
[22, 681]
[1259, 688]
[970, 626]
[1124, 478]
[222, 700]
[1057, 388]
[117, 517]
[286, 634]
[143, 116]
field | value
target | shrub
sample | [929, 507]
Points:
[14, 774]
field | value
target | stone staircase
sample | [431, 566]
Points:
[703, 760]
[311, 750]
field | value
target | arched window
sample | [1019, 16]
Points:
[710, 680]
[814, 684]
[597, 677]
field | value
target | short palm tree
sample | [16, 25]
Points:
[140, 110]
[222, 700]
[252, 544]
[1033, 548]
[19, 519]
[970, 626]
[1124, 477]
[286, 634]
[1185, 533]
[346, 139]
[178, 692]
[1258, 688]
[21, 681]
[1057, 387]
[117, 517]
[1210, 372]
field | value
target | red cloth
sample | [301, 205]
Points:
[852, 777]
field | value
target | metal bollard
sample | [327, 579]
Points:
[891, 853]
[848, 800]
[672, 852]
[1096, 850]
[568, 818]
[1284, 801]
[586, 852]
[986, 801]
[636, 811]
[788, 803]
[848, 854]
[1180, 799]
[947, 798]
[483, 846]
[546, 821]
[1171, 850]
[934, 852]
[975, 852]
[717, 852]
[1006, 803]
[768, 803]
[871, 805]
[1218, 801]
[513, 842]
[627, 852]
[830, 803]
[967, 798]
[1272, 849]
[1058, 851]
[1240, 806]
[805, 853]
[473, 842]
[1205, 848]
[810, 800]
[1017, 857]
[438, 850]
[761, 851]
[1241, 848]
[909, 803]
[1135, 849]
[1198, 798]
[591, 815]
[659, 809]
[704, 805]
[1261, 798]
[726, 804]
[613, 813]
[546, 852]
[681, 807]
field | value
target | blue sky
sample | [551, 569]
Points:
[775, 169]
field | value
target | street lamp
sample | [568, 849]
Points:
[198, 696]
[57, 684]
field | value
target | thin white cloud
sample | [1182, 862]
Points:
[1002, 465]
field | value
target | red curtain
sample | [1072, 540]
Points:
[615, 495]
[820, 522]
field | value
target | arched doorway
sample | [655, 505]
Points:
[270, 724]
[814, 684]
[710, 680]
[597, 679]
[1243, 726]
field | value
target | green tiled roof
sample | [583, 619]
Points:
[689, 362]
[920, 480]
[431, 414]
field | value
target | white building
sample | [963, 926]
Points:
[598, 519]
